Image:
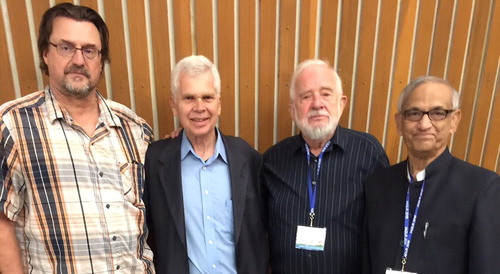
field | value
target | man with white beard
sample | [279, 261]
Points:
[313, 183]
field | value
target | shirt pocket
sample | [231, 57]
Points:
[132, 177]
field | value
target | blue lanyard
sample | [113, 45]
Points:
[408, 230]
[311, 185]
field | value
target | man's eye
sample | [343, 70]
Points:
[438, 112]
[413, 113]
[65, 47]
[89, 51]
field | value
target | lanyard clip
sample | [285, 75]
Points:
[311, 216]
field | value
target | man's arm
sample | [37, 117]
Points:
[10, 253]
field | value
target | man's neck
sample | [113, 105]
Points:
[418, 162]
[84, 111]
[315, 146]
[204, 146]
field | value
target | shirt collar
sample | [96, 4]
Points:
[186, 147]
[56, 111]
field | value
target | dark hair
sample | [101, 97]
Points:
[78, 13]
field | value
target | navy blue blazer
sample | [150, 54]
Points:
[461, 206]
[165, 210]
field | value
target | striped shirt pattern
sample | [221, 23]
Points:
[350, 157]
[76, 200]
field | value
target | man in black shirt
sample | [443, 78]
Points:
[313, 183]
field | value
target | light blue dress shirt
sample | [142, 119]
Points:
[208, 210]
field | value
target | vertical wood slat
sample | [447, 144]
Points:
[365, 64]
[472, 69]
[118, 66]
[140, 64]
[226, 65]
[423, 39]
[161, 57]
[405, 41]
[182, 29]
[440, 43]
[204, 29]
[328, 30]
[486, 93]
[286, 59]
[22, 46]
[441, 37]
[247, 86]
[382, 72]
[6, 84]
[346, 52]
[266, 69]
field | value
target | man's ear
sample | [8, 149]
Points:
[399, 122]
[173, 105]
[291, 110]
[455, 120]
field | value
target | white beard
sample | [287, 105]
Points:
[316, 132]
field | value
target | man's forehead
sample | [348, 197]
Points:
[437, 94]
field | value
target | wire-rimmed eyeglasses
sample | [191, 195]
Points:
[67, 50]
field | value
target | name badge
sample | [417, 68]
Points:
[390, 271]
[310, 238]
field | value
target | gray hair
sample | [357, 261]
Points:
[408, 90]
[194, 65]
[306, 64]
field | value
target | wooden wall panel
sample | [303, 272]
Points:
[385, 47]
[225, 19]
[472, 75]
[267, 68]
[118, 66]
[443, 18]
[423, 39]
[486, 91]
[404, 42]
[345, 63]
[182, 29]
[360, 101]
[161, 58]
[204, 28]
[286, 62]
[7, 91]
[140, 63]
[377, 47]
[22, 46]
[328, 31]
[247, 81]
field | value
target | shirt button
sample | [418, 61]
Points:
[210, 242]
[208, 217]
[206, 191]
[117, 267]
[107, 206]
[204, 168]
[213, 266]
[114, 238]
[101, 174]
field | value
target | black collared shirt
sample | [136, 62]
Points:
[349, 159]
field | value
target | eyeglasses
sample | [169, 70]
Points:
[433, 114]
[69, 50]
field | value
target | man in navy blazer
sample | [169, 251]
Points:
[202, 198]
[432, 213]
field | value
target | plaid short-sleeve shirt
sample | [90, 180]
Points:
[76, 200]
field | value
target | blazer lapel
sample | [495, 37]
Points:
[170, 179]
[239, 182]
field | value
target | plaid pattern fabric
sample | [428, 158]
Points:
[76, 200]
